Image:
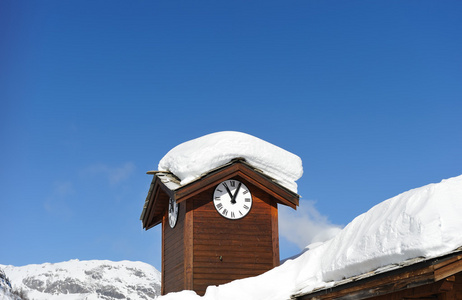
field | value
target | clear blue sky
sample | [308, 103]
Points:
[94, 93]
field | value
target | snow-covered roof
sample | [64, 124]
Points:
[422, 223]
[192, 159]
[415, 272]
[171, 186]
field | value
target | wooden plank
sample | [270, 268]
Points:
[229, 270]
[234, 240]
[173, 245]
[215, 277]
[174, 258]
[205, 282]
[234, 231]
[228, 239]
[275, 233]
[213, 267]
[232, 255]
[256, 259]
[236, 249]
[254, 221]
[162, 283]
[448, 268]
[188, 246]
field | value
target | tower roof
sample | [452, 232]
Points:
[166, 185]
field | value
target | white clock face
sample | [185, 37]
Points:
[172, 212]
[232, 199]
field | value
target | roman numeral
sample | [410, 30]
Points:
[217, 198]
[241, 213]
[225, 212]
[246, 207]
[232, 215]
[247, 199]
[220, 190]
[224, 184]
[233, 183]
[219, 206]
[245, 192]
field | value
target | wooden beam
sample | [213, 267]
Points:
[162, 283]
[448, 267]
[188, 231]
[275, 233]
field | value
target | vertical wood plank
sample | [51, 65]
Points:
[275, 233]
[188, 246]
[162, 283]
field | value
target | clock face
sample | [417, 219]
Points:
[172, 212]
[232, 199]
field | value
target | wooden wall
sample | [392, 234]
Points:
[173, 249]
[225, 250]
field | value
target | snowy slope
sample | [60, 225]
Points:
[423, 222]
[189, 160]
[6, 290]
[78, 280]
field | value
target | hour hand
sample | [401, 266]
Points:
[233, 198]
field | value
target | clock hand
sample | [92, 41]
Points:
[233, 199]
[227, 189]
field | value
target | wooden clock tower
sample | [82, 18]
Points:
[218, 228]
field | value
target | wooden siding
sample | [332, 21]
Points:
[173, 253]
[225, 250]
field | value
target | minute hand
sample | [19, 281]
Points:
[227, 189]
[233, 199]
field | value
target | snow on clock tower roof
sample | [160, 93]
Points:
[190, 160]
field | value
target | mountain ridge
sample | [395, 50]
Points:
[84, 280]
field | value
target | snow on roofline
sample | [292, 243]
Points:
[174, 183]
[190, 160]
[389, 270]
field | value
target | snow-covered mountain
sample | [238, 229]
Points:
[6, 290]
[82, 280]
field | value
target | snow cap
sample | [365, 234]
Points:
[189, 160]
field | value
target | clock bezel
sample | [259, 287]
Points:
[246, 201]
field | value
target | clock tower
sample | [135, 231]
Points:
[220, 227]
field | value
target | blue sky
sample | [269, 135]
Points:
[94, 93]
